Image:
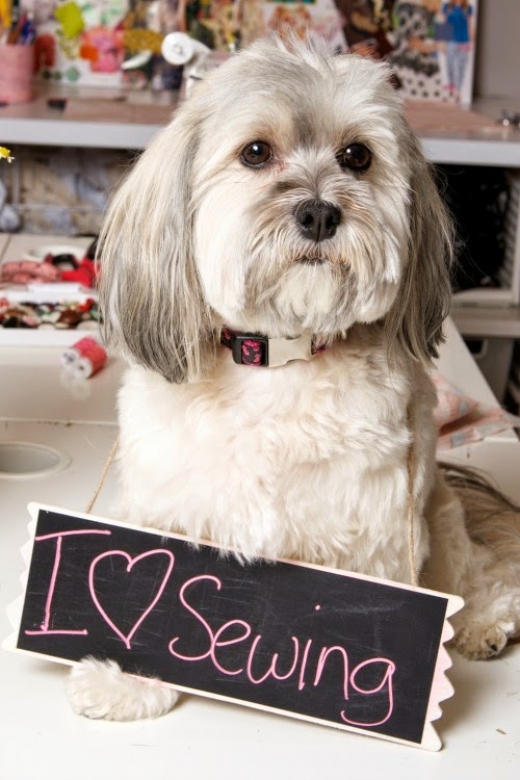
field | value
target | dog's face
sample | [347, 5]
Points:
[288, 194]
[301, 196]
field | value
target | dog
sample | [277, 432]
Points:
[276, 271]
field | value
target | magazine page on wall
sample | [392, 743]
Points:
[430, 44]
[322, 18]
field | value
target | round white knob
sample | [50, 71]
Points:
[177, 48]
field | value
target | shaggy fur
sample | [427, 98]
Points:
[310, 460]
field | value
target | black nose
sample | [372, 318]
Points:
[317, 219]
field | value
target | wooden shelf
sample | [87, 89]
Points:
[106, 118]
[91, 118]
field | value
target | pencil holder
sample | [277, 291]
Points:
[16, 73]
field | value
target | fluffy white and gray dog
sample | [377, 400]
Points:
[275, 268]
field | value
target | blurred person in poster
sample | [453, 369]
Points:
[459, 18]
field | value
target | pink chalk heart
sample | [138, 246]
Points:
[131, 562]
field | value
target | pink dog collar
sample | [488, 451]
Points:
[255, 349]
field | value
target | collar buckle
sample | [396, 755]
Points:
[255, 349]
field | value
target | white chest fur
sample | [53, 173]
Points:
[308, 461]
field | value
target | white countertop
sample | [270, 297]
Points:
[41, 738]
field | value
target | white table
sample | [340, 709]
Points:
[41, 738]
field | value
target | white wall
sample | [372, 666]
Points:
[497, 72]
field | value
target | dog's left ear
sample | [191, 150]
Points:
[425, 294]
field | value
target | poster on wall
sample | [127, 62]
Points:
[90, 42]
[321, 17]
[430, 44]
[78, 42]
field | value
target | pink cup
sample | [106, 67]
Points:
[16, 73]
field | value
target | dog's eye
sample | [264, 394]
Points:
[257, 154]
[357, 157]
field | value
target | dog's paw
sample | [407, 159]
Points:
[99, 689]
[479, 641]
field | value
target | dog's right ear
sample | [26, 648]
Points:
[151, 298]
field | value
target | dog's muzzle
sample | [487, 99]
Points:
[317, 219]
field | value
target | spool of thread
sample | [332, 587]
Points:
[16, 73]
[178, 48]
[84, 359]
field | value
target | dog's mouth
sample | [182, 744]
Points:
[306, 260]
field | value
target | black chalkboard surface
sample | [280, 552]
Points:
[339, 649]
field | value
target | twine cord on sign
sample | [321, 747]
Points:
[106, 468]
[411, 464]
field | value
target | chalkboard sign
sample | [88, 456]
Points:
[336, 648]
